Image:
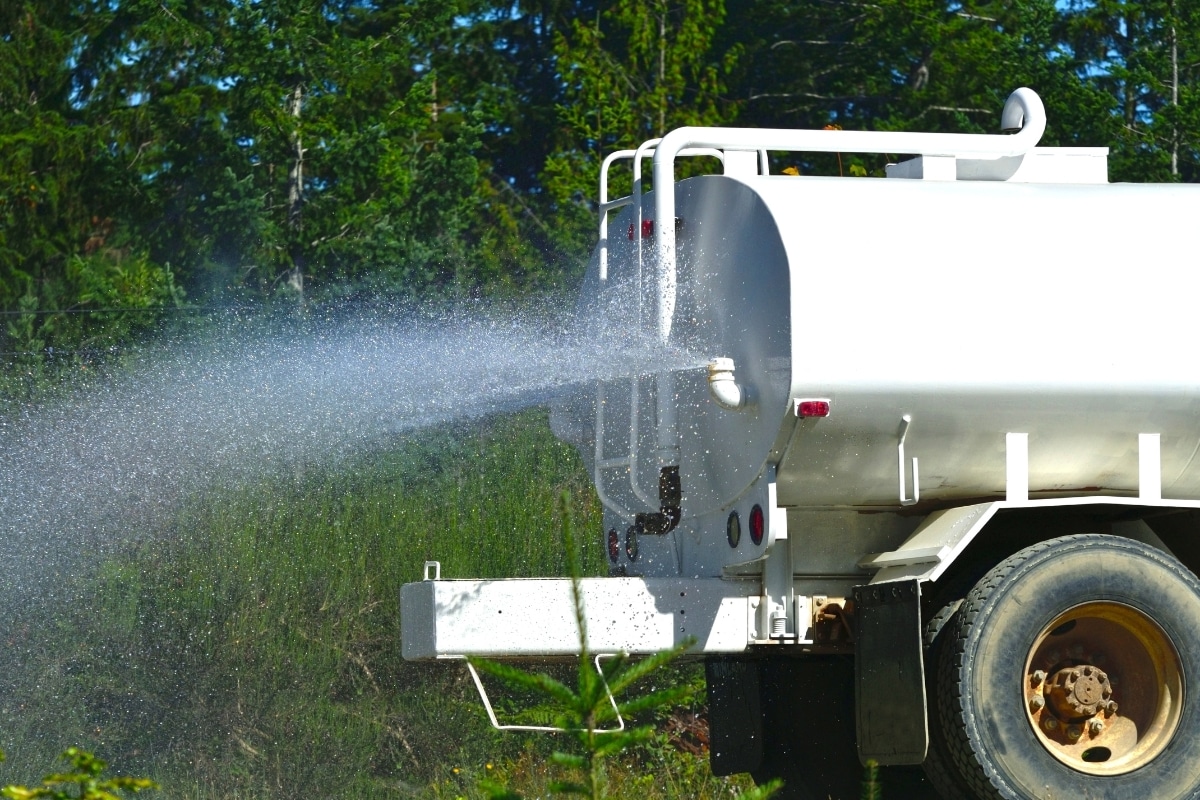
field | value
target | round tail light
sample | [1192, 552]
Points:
[757, 525]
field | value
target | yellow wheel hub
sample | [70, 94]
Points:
[1103, 688]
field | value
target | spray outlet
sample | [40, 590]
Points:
[728, 393]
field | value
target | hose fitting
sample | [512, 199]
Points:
[728, 393]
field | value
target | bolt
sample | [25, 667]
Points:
[1050, 723]
[1074, 732]
[1096, 727]
[1037, 678]
[1111, 708]
[1036, 704]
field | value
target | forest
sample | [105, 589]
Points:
[162, 153]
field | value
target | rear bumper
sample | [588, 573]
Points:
[529, 618]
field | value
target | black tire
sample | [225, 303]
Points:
[938, 766]
[1015, 726]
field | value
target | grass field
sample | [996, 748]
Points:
[251, 648]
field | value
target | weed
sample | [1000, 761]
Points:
[84, 781]
[871, 789]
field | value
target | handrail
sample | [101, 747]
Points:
[606, 205]
[1023, 109]
[629, 461]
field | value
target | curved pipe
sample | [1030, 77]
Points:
[606, 206]
[728, 393]
[1023, 108]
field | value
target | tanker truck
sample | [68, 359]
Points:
[930, 496]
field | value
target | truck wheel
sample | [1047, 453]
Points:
[1074, 671]
[939, 767]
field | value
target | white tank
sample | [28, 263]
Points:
[944, 314]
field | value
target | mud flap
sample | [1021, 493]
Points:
[889, 674]
[735, 715]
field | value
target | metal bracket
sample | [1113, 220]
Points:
[905, 500]
[1016, 470]
[436, 566]
[487, 704]
[1149, 466]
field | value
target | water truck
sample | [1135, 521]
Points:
[932, 498]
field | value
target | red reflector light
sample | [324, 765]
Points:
[647, 229]
[812, 408]
[614, 545]
[757, 525]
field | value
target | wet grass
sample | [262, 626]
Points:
[251, 648]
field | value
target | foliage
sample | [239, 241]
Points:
[64, 251]
[871, 790]
[80, 319]
[1144, 59]
[658, 769]
[291, 149]
[82, 783]
[634, 72]
[898, 65]
[249, 647]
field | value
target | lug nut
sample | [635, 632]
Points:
[1111, 708]
[1036, 704]
[1037, 678]
[1074, 732]
[1050, 723]
[1096, 727]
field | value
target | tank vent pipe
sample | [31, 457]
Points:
[725, 390]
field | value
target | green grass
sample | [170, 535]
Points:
[251, 649]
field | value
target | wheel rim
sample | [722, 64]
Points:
[1103, 688]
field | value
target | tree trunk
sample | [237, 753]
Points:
[295, 201]
[662, 72]
[1174, 96]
